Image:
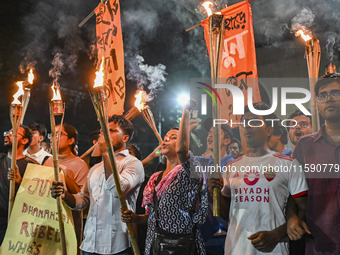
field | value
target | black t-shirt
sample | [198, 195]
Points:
[5, 164]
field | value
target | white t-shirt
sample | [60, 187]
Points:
[38, 156]
[259, 188]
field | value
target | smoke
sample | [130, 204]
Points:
[52, 26]
[149, 78]
[330, 46]
[304, 20]
[156, 30]
[62, 64]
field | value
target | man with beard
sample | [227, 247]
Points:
[303, 126]
[235, 148]
[322, 149]
[104, 231]
[24, 139]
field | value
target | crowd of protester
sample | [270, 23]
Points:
[263, 208]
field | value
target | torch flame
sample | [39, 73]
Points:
[56, 93]
[207, 8]
[30, 76]
[98, 82]
[139, 103]
[19, 93]
[305, 37]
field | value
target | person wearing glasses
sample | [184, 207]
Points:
[24, 140]
[75, 169]
[319, 154]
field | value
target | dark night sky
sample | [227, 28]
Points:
[154, 29]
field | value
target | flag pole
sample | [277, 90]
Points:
[90, 15]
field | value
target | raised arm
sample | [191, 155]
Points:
[183, 141]
[155, 154]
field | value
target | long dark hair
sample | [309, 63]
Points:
[72, 133]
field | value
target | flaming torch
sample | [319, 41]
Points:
[99, 101]
[313, 54]
[137, 108]
[27, 93]
[56, 109]
[141, 107]
[216, 36]
[15, 116]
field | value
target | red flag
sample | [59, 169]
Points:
[110, 46]
[238, 58]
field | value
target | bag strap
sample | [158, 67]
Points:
[44, 160]
[155, 198]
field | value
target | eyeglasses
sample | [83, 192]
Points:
[49, 136]
[11, 133]
[302, 125]
[323, 96]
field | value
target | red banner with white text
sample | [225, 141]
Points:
[110, 47]
[237, 64]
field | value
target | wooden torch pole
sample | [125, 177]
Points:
[216, 37]
[98, 99]
[313, 54]
[16, 115]
[55, 110]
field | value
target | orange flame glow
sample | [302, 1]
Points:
[56, 93]
[304, 35]
[207, 8]
[30, 76]
[19, 93]
[139, 103]
[98, 82]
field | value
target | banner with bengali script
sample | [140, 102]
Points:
[238, 58]
[33, 227]
[110, 46]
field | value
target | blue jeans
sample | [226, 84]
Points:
[128, 251]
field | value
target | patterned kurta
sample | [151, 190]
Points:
[176, 203]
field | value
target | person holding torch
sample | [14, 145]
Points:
[175, 200]
[6, 174]
[104, 232]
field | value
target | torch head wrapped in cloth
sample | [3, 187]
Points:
[57, 103]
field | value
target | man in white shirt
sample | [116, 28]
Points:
[34, 150]
[259, 184]
[104, 231]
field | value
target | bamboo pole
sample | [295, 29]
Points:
[88, 151]
[148, 117]
[132, 113]
[15, 115]
[90, 15]
[98, 99]
[216, 36]
[313, 54]
[57, 177]
[25, 100]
